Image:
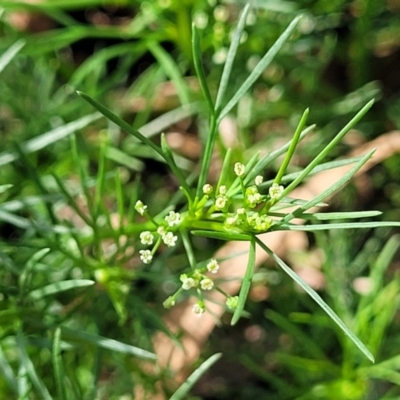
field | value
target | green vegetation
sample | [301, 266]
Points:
[138, 137]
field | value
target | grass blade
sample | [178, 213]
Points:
[259, 69]
[121, 123]
[58, 366]
[267, 159]
[58, 287]
[10, 53]
[50, 137]
[184, 389]
[199, 68]
[169, 158]
[345, 178]
[231, 56]
[30, 368]
[171, 69]
[326, 150]
[244, 290]
[109, 344]
[329, 216]
[7, 372]
[317, 298]
[344, 225]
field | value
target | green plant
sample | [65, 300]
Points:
[59, 263]
[315, 366]
[235, 209]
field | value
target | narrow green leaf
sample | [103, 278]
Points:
[71, 201]
[317, 298]
[58, 365]
[7, 372]
[4, 188]
[122, 158]
[226, 72]
[184, 389]
[333, 188]
[259, 69]
[270, 157]
[119, 195]
[121, 123]
[109, 344]
[169, 158]
[98, 193]
[50, 137]
[19, 222]
[205, 163]
[58, 287]
[10, 53]
[319, 168]
[30, 368]
[328, 216]
[344, 225]
[159, 124]
[188, 248]
[292, 148]
[222, 235]
[248, 277]
[224, 170]
[199, 68]
[171, 69]
[327, 149]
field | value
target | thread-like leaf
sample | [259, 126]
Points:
[58, 287]
[109, 344]
[244, 289]
[318, 299]
[10, 53]
[260, 67]
[184, 389]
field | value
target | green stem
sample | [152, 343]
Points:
[205, 165]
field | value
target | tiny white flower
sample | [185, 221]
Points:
[140, 207]
[231, 221]
[241, 211]
[213, 266]
[222, 189]
[232, 302]
[206, 284]
[220, 202]
[188, 283]
[258, 180]
[146, 256]
[146, 237]
[275, 191]
[239, 169]
[173, 218]
[199, 308]
[207, 188]
[254, 199]
[169, 239]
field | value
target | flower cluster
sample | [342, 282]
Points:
[242, 208]
[162, 234]
[252, 213]
[199, 281]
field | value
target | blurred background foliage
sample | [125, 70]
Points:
[135, 57]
